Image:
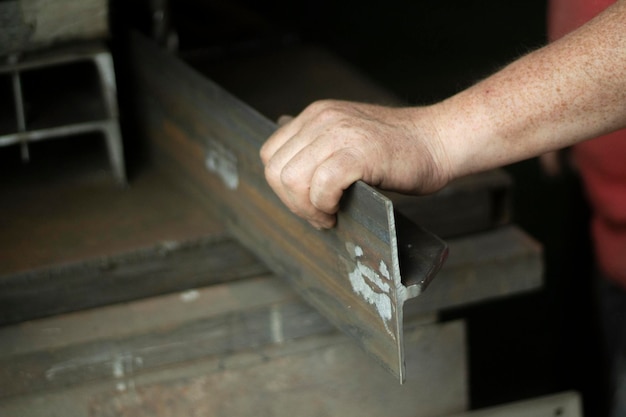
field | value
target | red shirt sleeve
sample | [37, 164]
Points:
[566, 15]
[601, 161]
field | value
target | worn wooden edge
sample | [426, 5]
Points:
[125, 319]
[282, 360]
[565, 404]
[245, 330]
[150, 334]
[159, 269]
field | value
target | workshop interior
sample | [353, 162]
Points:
[147, 270]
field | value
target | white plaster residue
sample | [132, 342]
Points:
[123, 367]
[383, 270]
[189, 296]
[118, 367]
[222, 162]
[276, 325]
[169, 245]
[368, 283]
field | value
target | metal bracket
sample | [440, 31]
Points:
[358, 274]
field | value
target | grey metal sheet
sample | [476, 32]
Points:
[352, 273]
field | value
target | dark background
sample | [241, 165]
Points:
[424, 51]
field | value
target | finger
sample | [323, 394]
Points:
[277, 139]
[298, 202]
[273, 143]
[298, 159]
[284, 119]
[332, 177]
[327, 185]
[288, 128]
[293, 163]
[291, 179]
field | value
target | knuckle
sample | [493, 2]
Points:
[264, 153]
[319, 105]
[323, 190]
[325, 176]
[331, 178]
[325, 203]
[291, 177]
[326, 111]
[329, 115]
[320, 201]
[272, 173]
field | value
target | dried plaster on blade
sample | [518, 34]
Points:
[369, 284]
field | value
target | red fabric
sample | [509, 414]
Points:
[567, 15]
[601, 161]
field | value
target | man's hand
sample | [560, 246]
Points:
[569, 91]
[311, 159]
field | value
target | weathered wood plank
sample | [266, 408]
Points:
[159, 269]
[481, 267]
[220, 335]
[247, 314]
[147, 344]
[334, 380]
[124, 320]
[79, 242]
[149, 334]
[314, 376]
[52, 216]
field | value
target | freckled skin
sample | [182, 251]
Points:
[569, 91]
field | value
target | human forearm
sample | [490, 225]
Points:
[569, 91]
